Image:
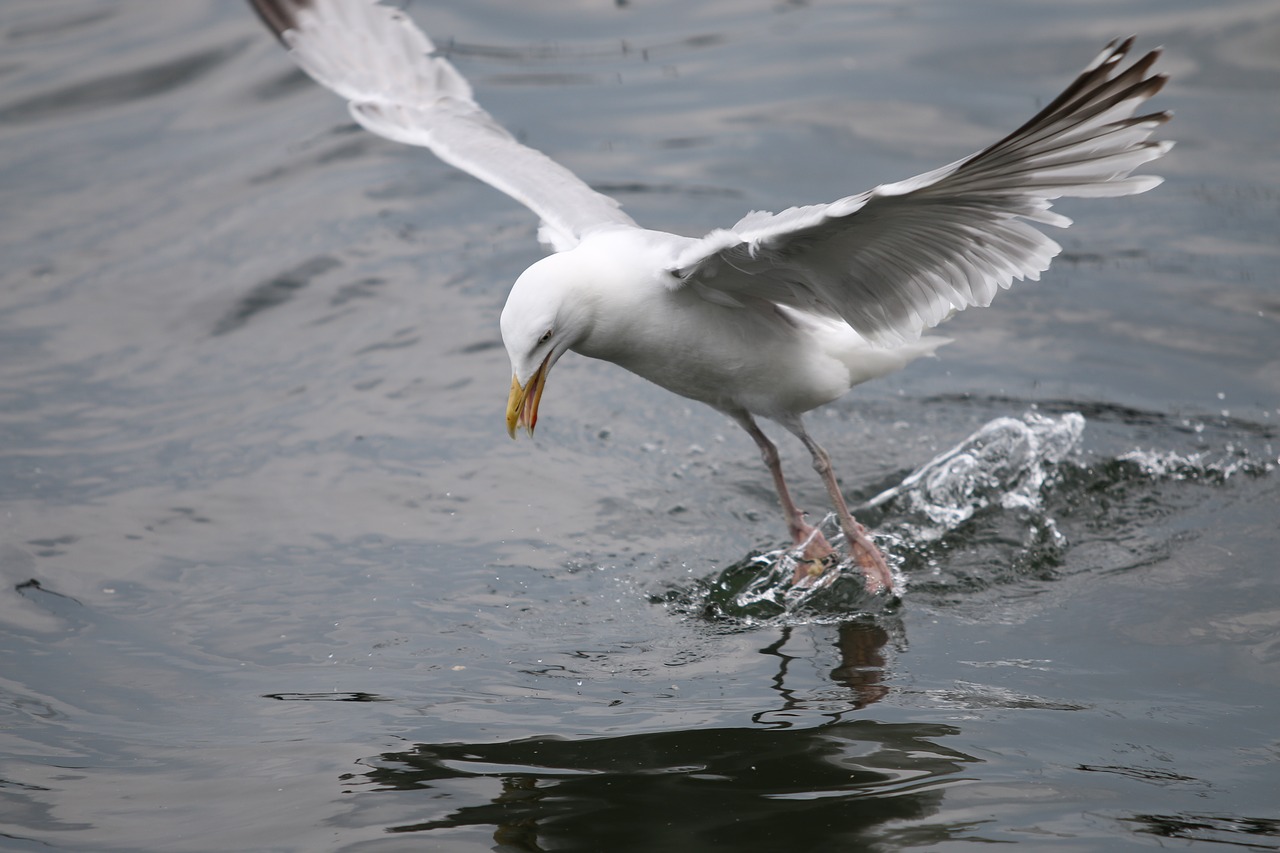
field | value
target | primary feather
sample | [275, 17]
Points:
[902, 257]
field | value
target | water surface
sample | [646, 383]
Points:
[275, 579]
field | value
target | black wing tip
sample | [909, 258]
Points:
[1162, 117]
[1118, 49]
[1121, 46]
[1157, 82]
[279, 15]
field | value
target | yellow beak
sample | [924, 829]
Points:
[522, 403]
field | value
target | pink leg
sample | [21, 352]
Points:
[864, 551]
[816, 547]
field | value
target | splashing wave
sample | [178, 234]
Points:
[985, 514]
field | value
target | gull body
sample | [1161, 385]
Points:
[613, 297]
[781, 312]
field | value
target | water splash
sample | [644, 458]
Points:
[1166, 464]
[1006, 463]
[981, 522]
[759, 588]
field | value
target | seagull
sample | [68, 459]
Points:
[779, 313]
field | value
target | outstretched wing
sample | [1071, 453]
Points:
[904, 256]
[397, 87]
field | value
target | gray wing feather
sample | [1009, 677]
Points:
[904, 256]
[399, 88]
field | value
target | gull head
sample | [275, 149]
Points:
[545, 315]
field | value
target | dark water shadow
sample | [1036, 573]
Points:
[782, 783]
[126, 87]
[273, 292]
[1250, 833]
[60, 25]
[697, 789]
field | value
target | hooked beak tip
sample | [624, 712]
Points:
[523, 401]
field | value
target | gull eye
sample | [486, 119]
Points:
[546, 336]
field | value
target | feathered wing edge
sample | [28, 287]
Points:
[905, 256]
[399, 88]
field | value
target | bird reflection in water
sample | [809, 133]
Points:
[862, 669]
[862, 661]
[520, 834]
[811, 772]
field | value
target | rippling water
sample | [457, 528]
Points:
[274, 578]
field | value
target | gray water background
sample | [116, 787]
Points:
[275, 579]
